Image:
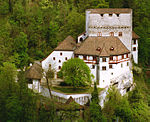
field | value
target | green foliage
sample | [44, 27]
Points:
[94, 94]
[21, 44]
[76, 73]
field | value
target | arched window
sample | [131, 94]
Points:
[111, 33]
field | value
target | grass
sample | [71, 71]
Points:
[71, 90]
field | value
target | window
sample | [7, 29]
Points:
[54, 58]
[111, 33]
[112, 48]
[93, 66]
[103, 67]
[84, 57]
[134, 48]
[121, 65]
[61, 54]
[99, 34]
[117, 15]
[103, 59]
[94, 57]
[110, 66]
[120, 33]
[66, 58]
[111, 73]
[102, 15]
[127, 63]
[111, 58]
[127, 56]
[59, 67]
[134, 41]
[110, 15]
[81, 39]
[122, 56]
[59, 61]
[76, 56]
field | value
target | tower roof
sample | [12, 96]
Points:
[134, 35]
[68, 44]
[102, 46]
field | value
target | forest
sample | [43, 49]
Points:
[31, 29]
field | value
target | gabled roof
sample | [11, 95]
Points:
[134, 35]
[68, 44]
[34, 72]
[101, 46]
[110, 10]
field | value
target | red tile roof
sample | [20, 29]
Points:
[101, 46]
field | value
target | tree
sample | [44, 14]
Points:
[21, 47]
[49, 75]
[95, 109]
[76, 73]
[94, 94]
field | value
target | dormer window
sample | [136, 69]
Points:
[112, 48]
[98, 49]
[110, 15]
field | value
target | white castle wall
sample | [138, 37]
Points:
[135, 53]
[95, 24]
[58, 57]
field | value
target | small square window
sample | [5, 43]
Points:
[127, 56]
[61, 54]
[111, 58]
[59, 67]
[110, 15]
[102, 15]
[120, 33]
[117, 15]
[93, 66]
[110, 66]
[134, 41]
[111, 73]
[76, 56]
[103, 67]
[59, 61]
[54, 58]
[84, 57]
[99, 34]
[66, 58]
[111, 33]
[103, 59]
[121, 65]
[134, 48]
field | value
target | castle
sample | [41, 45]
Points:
[107, 46]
